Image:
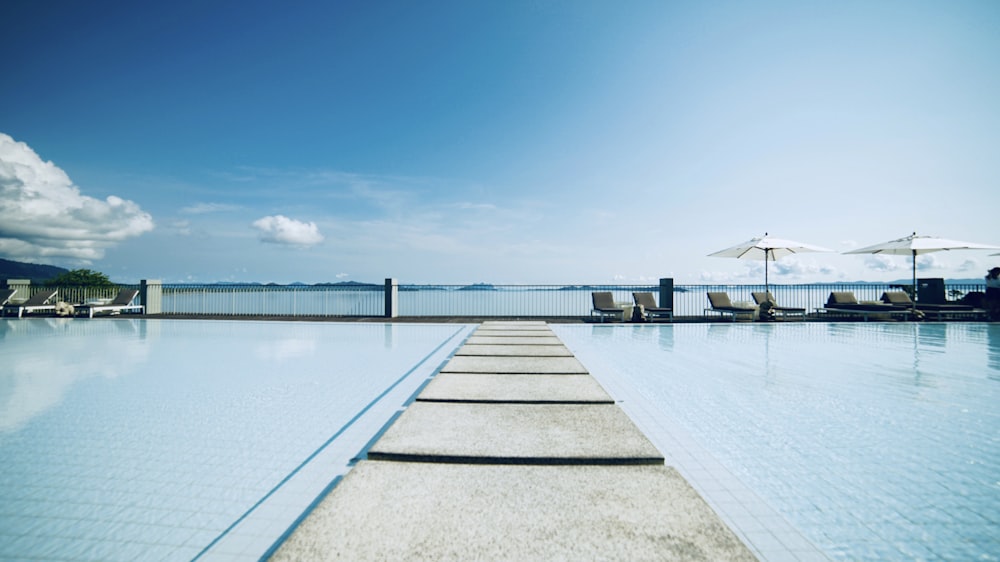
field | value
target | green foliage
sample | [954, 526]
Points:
[80, 278]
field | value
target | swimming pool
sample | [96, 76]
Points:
[873, 441]
[128, 439]
[134, 439]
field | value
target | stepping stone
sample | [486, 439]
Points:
[500, 325]
[514, 333]
[515, 365]
[515, 434]
[514, 340]
[473, 350]
[407, 511]
[515, 388]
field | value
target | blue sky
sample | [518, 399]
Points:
[507, 142]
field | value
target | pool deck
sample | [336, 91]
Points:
[512, 452]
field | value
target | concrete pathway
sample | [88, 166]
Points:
[513, 452]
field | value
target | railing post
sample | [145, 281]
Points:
[667, 293]
[151, 293]
[23, 287]
[391, 298]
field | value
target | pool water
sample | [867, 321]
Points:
[870, 441]
[133, 439]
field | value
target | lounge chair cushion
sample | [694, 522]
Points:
[605, 301]
[720, 300]
[896, 297]
[841, 297]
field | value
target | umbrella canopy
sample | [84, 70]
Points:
[913, 245]
[767, 249]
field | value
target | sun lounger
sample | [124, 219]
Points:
[722, 305]
[649, 308]
[934, 311]
[762, 297]
[604, 306]
[122, 303]
[6, 295]
[38, 302]
[844, 303]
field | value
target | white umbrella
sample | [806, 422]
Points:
[767, 249]
[913, 245]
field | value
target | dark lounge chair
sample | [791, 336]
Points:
[38, 302]
[722, 305]
[844, 303]
[649, 308]
[761, 297]
[6, 295]
[936, 311]
[604, 306]
[123, 302]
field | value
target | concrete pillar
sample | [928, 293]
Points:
[391, 298]
[23, 287]
[151, 293]
[666, 293]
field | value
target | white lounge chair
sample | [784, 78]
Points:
[123, 302]
[38, 302]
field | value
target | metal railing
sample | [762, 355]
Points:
[74, 295]
[480, 300]
[277, 300]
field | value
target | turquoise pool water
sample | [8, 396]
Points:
[132, 439]
[873, 441]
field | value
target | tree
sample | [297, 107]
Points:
[80, 278]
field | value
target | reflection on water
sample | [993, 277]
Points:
[38, 370]
[874, 440]
[288, 348]
[993, 337]
[125, 439]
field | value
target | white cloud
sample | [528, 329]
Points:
[969, 265]
[279, 229]
[206, 208]
[795, 267]
[879, 262]
[43, 215]
[927, 262]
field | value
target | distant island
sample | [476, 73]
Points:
[478, 287]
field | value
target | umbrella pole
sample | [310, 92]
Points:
[914, 310]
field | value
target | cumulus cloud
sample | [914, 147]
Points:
[279, 229]
[880, 262]
[969, 265]
[927, 262]
[206, 208]
[795, 267]
[43, 215]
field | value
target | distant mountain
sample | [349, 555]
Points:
[357, 284]
[38, 274]
[908, 281]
